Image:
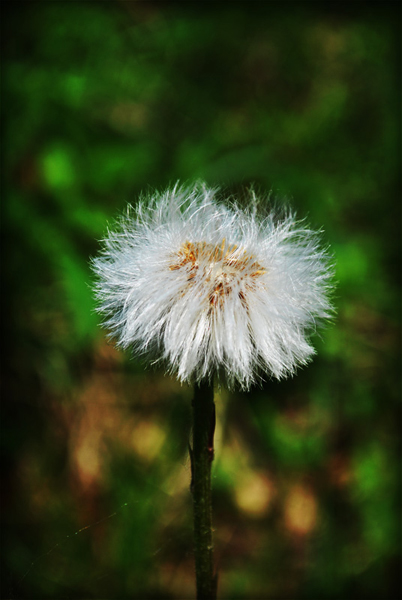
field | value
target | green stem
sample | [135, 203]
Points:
[202, 455]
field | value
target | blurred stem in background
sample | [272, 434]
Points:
[202, 454]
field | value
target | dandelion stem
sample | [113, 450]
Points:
[202, 455]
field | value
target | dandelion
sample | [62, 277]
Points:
[209, 288]
[212, 289]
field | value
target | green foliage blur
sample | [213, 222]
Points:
[102, 100]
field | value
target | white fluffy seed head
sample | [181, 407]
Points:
[209, 288]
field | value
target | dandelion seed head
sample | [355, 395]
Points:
[207, 287]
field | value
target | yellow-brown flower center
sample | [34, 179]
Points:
[222, 266]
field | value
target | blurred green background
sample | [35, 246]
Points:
[100, 101]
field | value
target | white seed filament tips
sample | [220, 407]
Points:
[223, 268]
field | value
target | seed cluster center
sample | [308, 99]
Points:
[221, 267]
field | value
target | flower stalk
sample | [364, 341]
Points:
[202, 454]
